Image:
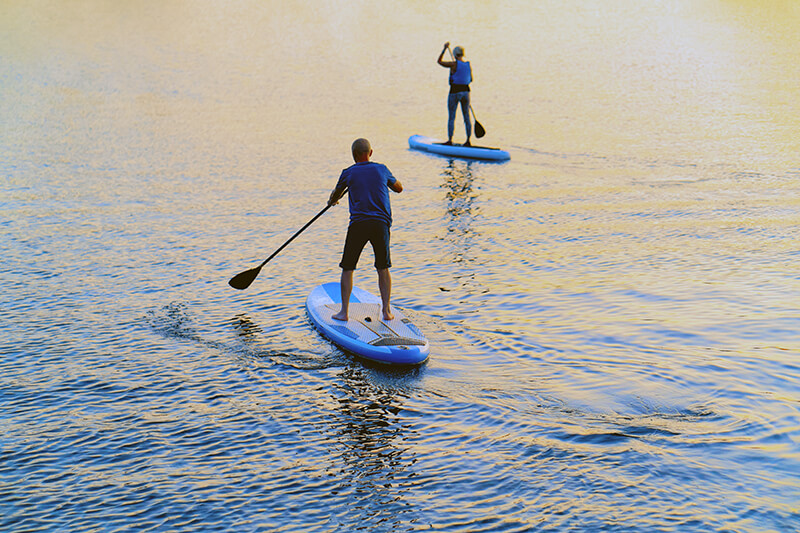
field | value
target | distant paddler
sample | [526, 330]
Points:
[460, 78]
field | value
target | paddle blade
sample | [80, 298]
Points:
[479, 131]
[243, 280]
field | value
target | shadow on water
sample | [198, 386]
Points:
[174, 321]
[245, 327]
[256, 345]
[259, 344]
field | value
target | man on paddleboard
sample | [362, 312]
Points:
[460, 78]
[370, 219]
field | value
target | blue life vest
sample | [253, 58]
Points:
[462, 75]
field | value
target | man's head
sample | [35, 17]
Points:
[361, 150]
[458, 52]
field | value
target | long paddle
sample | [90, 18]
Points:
[479, 131]
[243, 280]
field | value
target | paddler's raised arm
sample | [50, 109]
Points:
[446, 64]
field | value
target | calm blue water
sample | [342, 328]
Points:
[613, 313]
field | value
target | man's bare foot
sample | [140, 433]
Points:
[340, 316]
[388, 315]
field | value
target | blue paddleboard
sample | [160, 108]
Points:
[427, 144]
[366, 334]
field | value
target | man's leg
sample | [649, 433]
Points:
[346, 285]
[385, 286]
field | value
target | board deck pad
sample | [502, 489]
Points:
[396, 341]
[393, 332]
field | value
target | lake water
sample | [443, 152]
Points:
[613, 313]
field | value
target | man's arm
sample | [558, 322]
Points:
[336, 195]
[396, 186]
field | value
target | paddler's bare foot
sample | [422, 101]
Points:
[388, 315]
[340, 316]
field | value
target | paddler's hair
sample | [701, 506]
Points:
[360, 147]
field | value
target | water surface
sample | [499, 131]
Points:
[613, 313]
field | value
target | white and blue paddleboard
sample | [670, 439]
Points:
[366, 334]
[427, 144]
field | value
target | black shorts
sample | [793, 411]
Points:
[358, 234]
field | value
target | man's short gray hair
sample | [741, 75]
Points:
[360, 147]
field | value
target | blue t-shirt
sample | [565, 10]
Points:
[369, 191]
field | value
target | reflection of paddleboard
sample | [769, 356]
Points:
[426, 144]
[366, 334]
